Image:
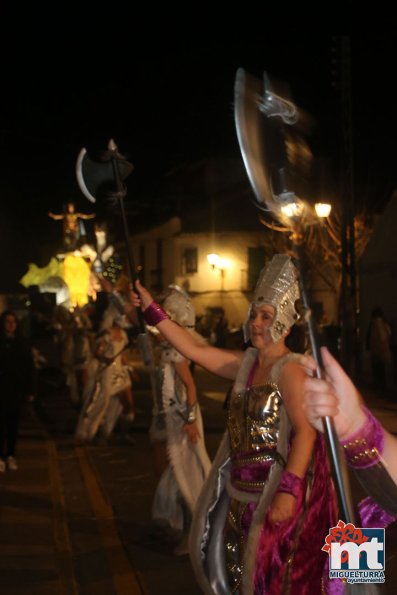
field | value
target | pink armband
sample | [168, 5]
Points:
[154, 314]
[363, 449]
[291, 484]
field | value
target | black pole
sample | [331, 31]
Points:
[338, 463]
[120, 195]
[143, 337]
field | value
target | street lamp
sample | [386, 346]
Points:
[322, 209]
[213, 259]
[264, 152]
[219, 263]
[292, 209]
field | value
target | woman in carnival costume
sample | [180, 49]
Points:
[108, 392]
[268, 502]
[177, 427]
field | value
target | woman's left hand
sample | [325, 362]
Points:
[142, 299]
[282, 507]
[192, 432]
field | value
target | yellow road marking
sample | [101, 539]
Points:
[67, 579]
[125, 580]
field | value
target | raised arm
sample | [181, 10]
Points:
[222, 362]
[85, 215]
[55, 216]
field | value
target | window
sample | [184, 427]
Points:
[256, 262]
[189, 261]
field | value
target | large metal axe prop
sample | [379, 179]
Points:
[103, 178]
[262, 118]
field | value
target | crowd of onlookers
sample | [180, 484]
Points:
[84, 351]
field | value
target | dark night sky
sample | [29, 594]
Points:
[164, 103]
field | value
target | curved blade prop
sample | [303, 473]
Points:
[96, 178]
[80, 176]
[264, 123]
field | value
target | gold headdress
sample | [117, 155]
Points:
[278, 286]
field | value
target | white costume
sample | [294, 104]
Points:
[189, 464]
[108, 377]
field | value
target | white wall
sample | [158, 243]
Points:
[208, 287]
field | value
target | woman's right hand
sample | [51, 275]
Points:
[142, 299]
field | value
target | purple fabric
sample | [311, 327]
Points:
[333, 586]
[279, 540]
[291, 484]
[363, 448]
[251, 373]
[250, 472]
[372, 515]
[154, 314]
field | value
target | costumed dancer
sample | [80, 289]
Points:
[177, 427]
[262, 516]
[66, 324]
[108, 392]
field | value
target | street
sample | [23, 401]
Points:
[76, 520]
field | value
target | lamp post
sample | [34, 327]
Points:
[336, 457]
[218, 263]
[262, 118]
[213, 259]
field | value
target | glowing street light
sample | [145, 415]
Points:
[221, 264]
[292, 209]
[213, 259]
[322, 209]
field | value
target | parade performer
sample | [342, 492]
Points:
[71, 230]
[108, 392]
[262, 515]
[177, 427]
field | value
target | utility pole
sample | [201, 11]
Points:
[350, 334]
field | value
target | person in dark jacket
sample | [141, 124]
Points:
[16, 383]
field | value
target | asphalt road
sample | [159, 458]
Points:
[77, 520]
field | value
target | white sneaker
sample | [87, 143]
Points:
[12, 464]
[2, 466]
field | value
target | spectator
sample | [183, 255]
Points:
[16, 382]
[378, 344]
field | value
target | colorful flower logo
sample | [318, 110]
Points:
[343, 533]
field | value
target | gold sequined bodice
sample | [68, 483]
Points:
[254, 418]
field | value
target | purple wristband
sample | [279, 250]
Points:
[291, 484]
[154, 314]
[363, 449]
